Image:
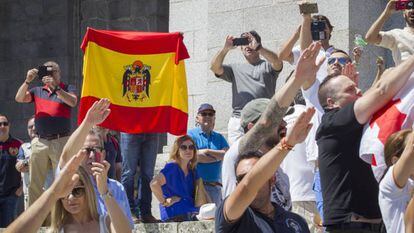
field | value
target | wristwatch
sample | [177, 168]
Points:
[106, 195]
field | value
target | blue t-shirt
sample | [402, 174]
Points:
[210, 172]
[178, 184]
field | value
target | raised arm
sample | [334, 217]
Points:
[23, 95]
[405, 165]
[275, 111]
[373, 35]
[285, 52]
[31, 219]
[217, 62]
[409, 217]
[246, 191]
[98, 112]
[305, 32]
[383, 91]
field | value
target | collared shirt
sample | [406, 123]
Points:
[10, 179]
[52, 115]
[400, 42]
[210, 172]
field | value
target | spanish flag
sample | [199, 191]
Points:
[142, 74]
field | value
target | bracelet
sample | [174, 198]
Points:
[283, 145]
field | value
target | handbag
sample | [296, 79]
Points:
[201, 196]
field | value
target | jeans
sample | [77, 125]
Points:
[215, 193]
[139, 150]
[8, 206]
[317, 188]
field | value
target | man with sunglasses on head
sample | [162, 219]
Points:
[251, 80]
[211, 147]
[53, 104]
[87, 139]
[10, 179]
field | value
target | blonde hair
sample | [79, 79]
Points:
[175, 152]
[60, 215]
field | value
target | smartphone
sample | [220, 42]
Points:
[404, 5]
[318, 30]
[240, 41]
[308, 8]
[98, 157]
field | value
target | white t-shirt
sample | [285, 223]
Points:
[299, 171]
[400, 42]
[311, 98]
[393, 202]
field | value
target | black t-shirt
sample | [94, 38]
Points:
[10, 178]
[348, 183]
[252, 221]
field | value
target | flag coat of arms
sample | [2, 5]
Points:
[142, 74]
[398, 114]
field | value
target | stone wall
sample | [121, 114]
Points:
[206, 23]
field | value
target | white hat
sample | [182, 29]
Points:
[207, 212]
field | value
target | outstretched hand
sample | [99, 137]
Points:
[307, 65]
[351, 72]
[68, 178]
[300, 128]
[98, 112]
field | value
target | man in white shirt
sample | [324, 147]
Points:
[399, 41]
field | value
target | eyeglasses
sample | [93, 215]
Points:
[185, 147]
[93, 149]
[239, 178]
[30, 126]
[210, 114]
[77, 192]
[340, 60]
[5, 123]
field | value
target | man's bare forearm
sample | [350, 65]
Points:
[67, 98]
[373, 35]
[285, 52]
[217, 62]
[305, 37]
[22, 95]
[270, 119]
[272, 58]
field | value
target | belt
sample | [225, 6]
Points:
[54, 136]
[213, 184]
[374, 227]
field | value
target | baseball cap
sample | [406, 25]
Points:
[253, 110]
[205, 107]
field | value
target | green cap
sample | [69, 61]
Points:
[253, 110]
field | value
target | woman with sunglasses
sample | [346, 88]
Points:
[78, 211]
[174, 185]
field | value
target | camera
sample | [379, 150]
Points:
[240, 41]
[318, 30]
[404, 5]
[44, 71]
[308, 8]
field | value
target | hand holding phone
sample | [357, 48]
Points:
[404, 5]
[98, 157]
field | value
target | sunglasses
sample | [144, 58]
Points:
[340, 60]
[185, 147]
[89, 150]
[77, 192]
[5, 123]
[210, 114]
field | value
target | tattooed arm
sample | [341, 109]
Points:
[276, 109]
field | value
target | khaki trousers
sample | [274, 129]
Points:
[45, 155]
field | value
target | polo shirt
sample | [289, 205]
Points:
[348, 183]
[252, 221]
[52, 115]
[209, 172]
[112, 155]
[10, 178]
[250, 82]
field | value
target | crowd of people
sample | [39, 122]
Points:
[290, 162]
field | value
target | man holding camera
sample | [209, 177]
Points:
[251, 80]
[53, 104]
[399, 41]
